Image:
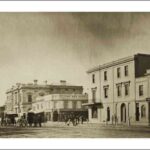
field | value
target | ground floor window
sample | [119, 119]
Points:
[94, 112]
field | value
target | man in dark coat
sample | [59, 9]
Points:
[39, 120]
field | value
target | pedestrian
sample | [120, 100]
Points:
[112, 119]
[129, 118]
[35, 120]
[65, 119]
[81, 119]
[39, 120]
[68, 122]
[30, 119]
[106, 121]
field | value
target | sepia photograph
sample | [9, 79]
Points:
[74, 75]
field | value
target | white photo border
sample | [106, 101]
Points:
[74, 6]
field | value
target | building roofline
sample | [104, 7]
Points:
[116, 62]
[26, 86]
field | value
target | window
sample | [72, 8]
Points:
[126, 70]
[108, 114]
[118, 73]
[55, 104]
[37, 106]
[126, 89]
[141, 90]
[94, 112]
[143, 111]
[106, 92]
[16, 110]
[74, 104]
[29, 98]
[15, 97]
[65, 104]
[93, 78]
[41, 106]
[119, 90]
[105, 75]
[93, 95]
[34, 108]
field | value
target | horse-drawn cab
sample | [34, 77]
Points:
[9, 119]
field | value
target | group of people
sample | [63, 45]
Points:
[22, 121]
[75, 120]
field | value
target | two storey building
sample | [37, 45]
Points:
[56, 107]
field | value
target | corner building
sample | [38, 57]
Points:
[113, 91]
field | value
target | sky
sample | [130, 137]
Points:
[63, 46]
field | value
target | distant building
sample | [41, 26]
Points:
[119, 91]
[58, 106]
[21, 97]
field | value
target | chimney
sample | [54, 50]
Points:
[12, 87]
[18, 84]
[63, 82]
[45, 82]
[35, 82]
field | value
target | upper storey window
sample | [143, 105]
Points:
[105, 75]
[93, 78]
[119, 90]
[141, 90]
[126, 71]
[29, 98]
[93, 95]
[118, 73]
[106, 92]
[126, 89]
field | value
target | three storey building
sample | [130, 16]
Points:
[114, 88]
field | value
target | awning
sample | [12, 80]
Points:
[72, 110]
[31, 111]
[98, 104]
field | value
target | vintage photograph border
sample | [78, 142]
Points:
[66, 6]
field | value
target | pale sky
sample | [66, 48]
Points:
[63, 46]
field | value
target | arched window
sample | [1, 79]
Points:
[143, 111]
[108, 114]
[29, 98]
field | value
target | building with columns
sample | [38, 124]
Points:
[21, 96]
[114, 91]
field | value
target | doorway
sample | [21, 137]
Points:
[123, 113]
